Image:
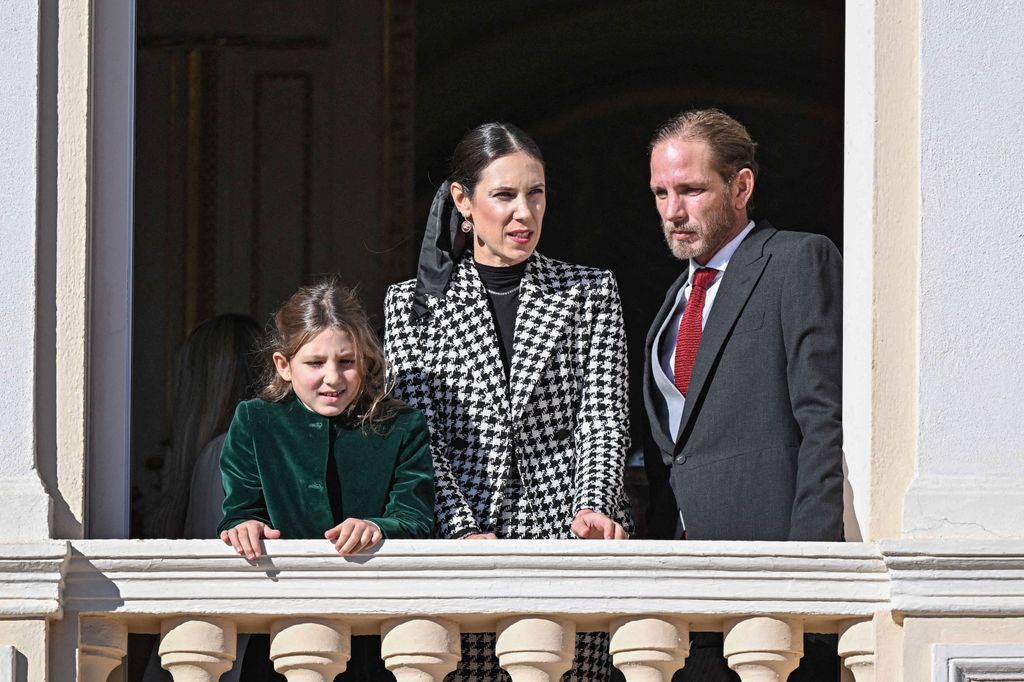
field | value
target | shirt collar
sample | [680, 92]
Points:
[720, 261]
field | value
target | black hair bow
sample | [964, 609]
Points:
[443, 246]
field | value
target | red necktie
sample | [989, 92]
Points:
[690, 327]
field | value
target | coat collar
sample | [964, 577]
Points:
[300, 415]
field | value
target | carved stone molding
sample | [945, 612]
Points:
[977, 577]
[31, 578]
[977, 662]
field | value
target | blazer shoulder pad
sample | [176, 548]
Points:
[403, 289]
[574, 272]
[784, 239]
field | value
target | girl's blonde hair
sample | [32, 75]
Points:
[312, 310]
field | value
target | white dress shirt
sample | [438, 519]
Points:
[670, 410]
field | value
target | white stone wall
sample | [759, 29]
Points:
[25, 512]
[881, 226]
[970, 464]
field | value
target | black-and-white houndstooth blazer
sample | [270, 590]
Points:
[562, 416]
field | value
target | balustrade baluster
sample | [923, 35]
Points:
[197, 649]
[420, 649]
[102, 643]
[533, 649]
[649, 649]
[764, 649]
[857, 647]
[309, 649]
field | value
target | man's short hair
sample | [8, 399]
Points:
[729, 142]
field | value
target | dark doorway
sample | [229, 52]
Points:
[278, 141]
[273, 145]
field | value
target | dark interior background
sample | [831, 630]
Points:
[277, 141]
[592, 80]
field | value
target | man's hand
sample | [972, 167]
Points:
[354, 535]
[246, 537]
[481, 536]
[591, 525]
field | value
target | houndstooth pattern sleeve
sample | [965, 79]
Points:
[602, 426]
[413, 383]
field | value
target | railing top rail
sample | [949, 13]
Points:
[462, 578]
[477, 579]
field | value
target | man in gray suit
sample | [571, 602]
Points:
[743, 368]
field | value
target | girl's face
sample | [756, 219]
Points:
[507, 209]
[323, 372]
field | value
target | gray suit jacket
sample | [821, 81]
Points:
[759, 453]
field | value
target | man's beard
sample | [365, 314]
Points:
[711, 234]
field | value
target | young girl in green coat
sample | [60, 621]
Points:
[324, 453]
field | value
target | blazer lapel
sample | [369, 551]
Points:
[465, 332]
[745, 268]
[651, 390]
[544, 312]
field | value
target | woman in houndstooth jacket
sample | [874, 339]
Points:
[518, 363]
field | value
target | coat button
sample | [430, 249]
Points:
[680, 459]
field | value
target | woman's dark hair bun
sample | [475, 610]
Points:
[482, 145]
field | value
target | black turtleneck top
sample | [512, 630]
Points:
[502, 285]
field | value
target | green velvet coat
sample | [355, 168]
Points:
[274, 468]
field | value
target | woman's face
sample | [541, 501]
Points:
[506, 209]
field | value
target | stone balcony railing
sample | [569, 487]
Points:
[419, 596]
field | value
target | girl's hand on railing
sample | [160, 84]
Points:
[246, 537]
[354, 535]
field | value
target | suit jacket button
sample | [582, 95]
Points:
[680, 459]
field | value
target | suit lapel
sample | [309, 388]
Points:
[544, 312]
[745, 268]
[661, 436]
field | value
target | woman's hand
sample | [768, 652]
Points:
[481, 536]
[591, 525]
[354, 535]
[246, 537]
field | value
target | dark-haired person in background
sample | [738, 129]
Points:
[216, 371]
[518, 363]
[743, 368]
